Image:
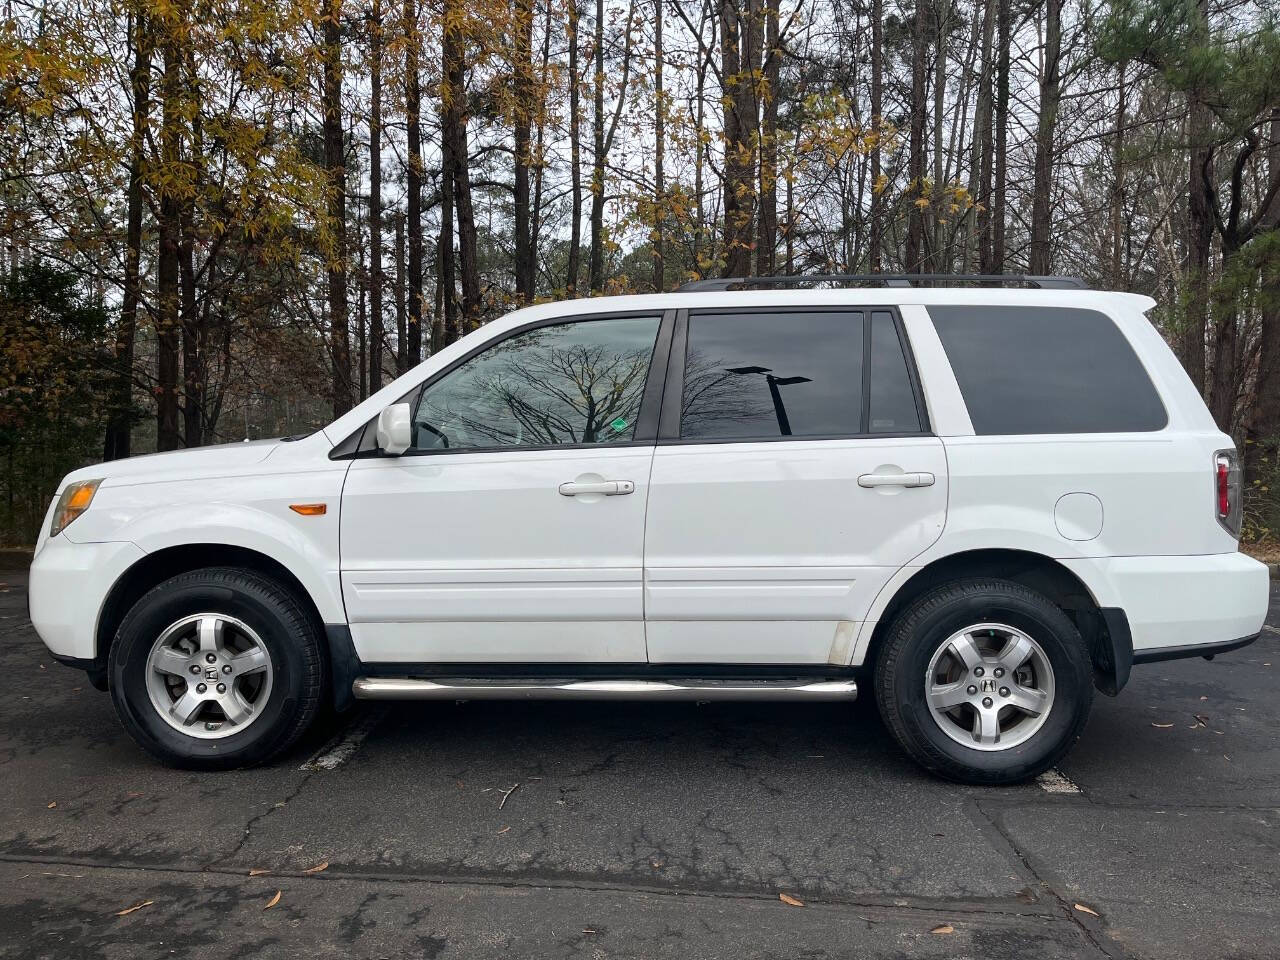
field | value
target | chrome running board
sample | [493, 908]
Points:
[408, 688]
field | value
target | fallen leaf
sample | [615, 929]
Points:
[318, 868]
[943, 928]
[274, 900]
[1162, 726]
[255, 872]
[52, 804]
[137, 906]
[1083, 909]
[790, 900]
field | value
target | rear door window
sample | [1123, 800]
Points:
[1028, 370]
[767, 375]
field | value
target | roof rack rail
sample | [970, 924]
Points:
[712, 284]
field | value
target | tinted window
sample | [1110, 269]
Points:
[1046, 370]
[893, 401]
[761, 375]
[568, 383]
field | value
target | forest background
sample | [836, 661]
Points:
[230, 220]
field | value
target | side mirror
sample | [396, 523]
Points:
[395, 429]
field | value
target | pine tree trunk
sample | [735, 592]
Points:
[575, 157]
[914, 253]
[1003, 41]
[739, 57]
[362, 317]
[402, 333]
[699, 160]
[413, 180]
[982, 142]
[120, 414]
[1118, 280]
[1199, 227]
[523, 89]
[767, 242]
[194, 332]
[539, 155]
[875, 253]
[942, 24]
[659, 153]
[446, 264]
[1050, 95]
[454, 92]
[595, 267]
[192, 379]
[375, 199]
[1262, 439]
[335, 165]
[167, 279]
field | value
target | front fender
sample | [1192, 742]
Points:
[311, 555]
[247, 511]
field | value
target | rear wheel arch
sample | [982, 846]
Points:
[1035, 571]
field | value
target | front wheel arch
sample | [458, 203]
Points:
[155, 568]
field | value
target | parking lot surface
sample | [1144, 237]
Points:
[635, 830]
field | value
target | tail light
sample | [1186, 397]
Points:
[1227, 492]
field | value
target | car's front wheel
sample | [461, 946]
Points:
[984, 681]
[217, 668]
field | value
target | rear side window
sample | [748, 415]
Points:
[893, 401]
[772, 375]
[1046, 370]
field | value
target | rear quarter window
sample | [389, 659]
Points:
[1028, 370]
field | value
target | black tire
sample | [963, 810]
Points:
[299, 672]
[926, 624]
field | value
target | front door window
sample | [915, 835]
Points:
[559, 385]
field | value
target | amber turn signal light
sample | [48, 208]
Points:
[309, 509]
[74, 501]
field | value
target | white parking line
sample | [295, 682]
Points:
[344, 746]
[1052, 781]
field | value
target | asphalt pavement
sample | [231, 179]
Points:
[603, 830]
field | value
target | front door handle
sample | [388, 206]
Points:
[896, 480]
[608, 488]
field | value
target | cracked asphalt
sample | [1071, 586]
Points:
[630, 830]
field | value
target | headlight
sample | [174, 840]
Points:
[74, 501]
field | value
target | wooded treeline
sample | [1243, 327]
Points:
[224, 220]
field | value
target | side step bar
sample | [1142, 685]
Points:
[408, 688]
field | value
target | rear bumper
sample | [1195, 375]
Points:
[1181, 606]
[1208, 650]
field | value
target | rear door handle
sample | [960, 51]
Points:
[896, 480]
[608, 488]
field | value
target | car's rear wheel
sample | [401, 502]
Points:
[984, 681]
[217, 668]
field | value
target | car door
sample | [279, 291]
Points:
[794, 474]
[513, 529]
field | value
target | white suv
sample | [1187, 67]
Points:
[983, 502]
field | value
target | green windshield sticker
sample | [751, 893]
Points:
[619, 425]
